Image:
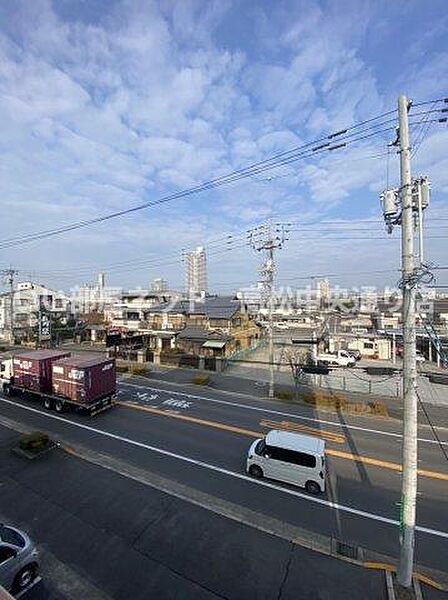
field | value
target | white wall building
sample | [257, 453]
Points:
[323, 291]
[196, 272]
[94, 297]
[159, 285]
[26, 300]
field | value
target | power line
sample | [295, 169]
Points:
[433, 429]
[260, 166]
[445, 100]
[218, 182]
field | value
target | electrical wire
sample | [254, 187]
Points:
[424, 130]
[433, 428]
[445, 100]
[260, 166]
[218, 182]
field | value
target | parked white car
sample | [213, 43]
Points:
[289, 457]
[341, 358]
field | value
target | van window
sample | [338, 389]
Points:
[260, 448]
[301, 459]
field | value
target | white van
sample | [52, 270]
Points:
[289, 457]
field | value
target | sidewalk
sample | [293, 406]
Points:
[122, 539]
[229, 383]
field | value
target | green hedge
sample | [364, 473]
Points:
[201, 379]
[34, 442]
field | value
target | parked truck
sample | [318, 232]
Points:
[61, 381]
[341, 358]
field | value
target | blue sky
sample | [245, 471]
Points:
[105, 104]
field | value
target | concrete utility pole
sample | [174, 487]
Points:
[9, 275]
[409, 450]
[267, 238]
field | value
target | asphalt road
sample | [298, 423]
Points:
[103, 536]
[201, 440]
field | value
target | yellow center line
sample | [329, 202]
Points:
[374, 462]
[214, 424]
[330, 436]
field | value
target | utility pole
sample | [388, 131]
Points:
[405, 206]
[409, 449]
[266, 238]
[9, 275]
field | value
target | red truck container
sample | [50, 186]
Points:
[84, 379]
[32, 370]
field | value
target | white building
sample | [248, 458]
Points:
[159, 285]
[323, 290]
[27, 298]
[196, 272]
[94, 297]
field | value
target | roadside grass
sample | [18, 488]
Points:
[201, 379]
[133, 369]
[328, 400]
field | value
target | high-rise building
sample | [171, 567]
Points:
[323, 290]
[196, 271]
[159, 285]
[101, 281]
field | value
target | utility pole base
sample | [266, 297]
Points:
[399, 592]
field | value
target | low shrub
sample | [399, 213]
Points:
[378, 408]
[357, 408]
[284, 395]
[200, 379]
[137, 369]
[34, 442]
[325, 399]
[121, 368]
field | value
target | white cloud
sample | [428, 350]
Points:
[145, 100]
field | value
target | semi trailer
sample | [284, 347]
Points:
[61, 381]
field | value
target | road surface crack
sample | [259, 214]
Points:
[286, 573]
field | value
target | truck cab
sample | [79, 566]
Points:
[6, 371]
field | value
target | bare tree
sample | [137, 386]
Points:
[297, 358]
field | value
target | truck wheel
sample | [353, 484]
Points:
[47, 403]
[59, 406]
[7, 390]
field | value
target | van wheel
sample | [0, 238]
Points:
[255, 471]
[59, 406]
[312, 487]
[47, 403]
[24, 578]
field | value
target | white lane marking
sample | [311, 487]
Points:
[177, 403]
[35, 581]
[200, 463]
[283, 414]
